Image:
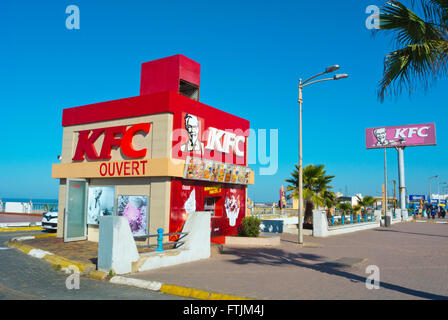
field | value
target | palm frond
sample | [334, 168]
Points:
[422, 56]
[408, 26]
[406, 67]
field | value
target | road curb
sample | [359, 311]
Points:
[424, 221]
[174, 290]
[12, 229]
[198, 293]
[20, 224]
[86, 270]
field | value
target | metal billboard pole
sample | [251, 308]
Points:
[385, 186]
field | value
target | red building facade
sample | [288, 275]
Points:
[184, 152]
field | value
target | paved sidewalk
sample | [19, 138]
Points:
[412, 258]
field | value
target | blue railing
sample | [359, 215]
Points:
[342, 220]
[160, 242]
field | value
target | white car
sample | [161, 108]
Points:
[50, 220]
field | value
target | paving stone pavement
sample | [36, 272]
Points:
[412, 259]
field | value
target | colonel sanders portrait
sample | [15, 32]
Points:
[380, 135]
[193, 130]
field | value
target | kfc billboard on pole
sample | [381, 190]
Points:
[401, 136]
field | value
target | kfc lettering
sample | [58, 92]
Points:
[401, 133]
[87, 138]
[221, 141]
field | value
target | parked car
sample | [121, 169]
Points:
[50, 220]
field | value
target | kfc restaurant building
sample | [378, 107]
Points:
[153, 158]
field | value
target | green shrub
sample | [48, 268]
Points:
[250, 227]
[110, 275]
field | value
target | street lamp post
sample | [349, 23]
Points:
[438, 188]
[385, 186]
[394, 182]
[300, 100]
[429, 183]
[445, 192]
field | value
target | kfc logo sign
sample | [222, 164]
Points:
[119, 137]
[217, 140]
[221, 141]
[403, 136]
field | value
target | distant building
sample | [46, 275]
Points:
[353, 200]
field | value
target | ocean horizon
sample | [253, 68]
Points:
[34, 200]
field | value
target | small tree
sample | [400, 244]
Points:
[316, 185]
[250, 227]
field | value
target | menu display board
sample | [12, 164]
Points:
[208, 170]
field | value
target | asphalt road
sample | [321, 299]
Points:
[26, 278]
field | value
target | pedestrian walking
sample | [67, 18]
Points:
[433, 211]
[442, 212]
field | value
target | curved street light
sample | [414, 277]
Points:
[300, 100]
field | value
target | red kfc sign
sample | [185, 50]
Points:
[120, 137]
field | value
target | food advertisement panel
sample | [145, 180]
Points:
[208, 170]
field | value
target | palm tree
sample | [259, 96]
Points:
[329, 199]
[316, 187]
[365, 202]
[422, 45]
[344, 207]
[356, 208]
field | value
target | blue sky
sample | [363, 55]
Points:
[251, 53]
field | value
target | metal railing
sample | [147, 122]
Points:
[264, 213]
[344, 219]
[160, 242]
[43, 207]
[31, 207]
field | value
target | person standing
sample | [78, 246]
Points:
[442, 212]
[433, 212]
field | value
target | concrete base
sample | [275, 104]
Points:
[116, 247]
[405, 215]
[253, 241]
[196, 246]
